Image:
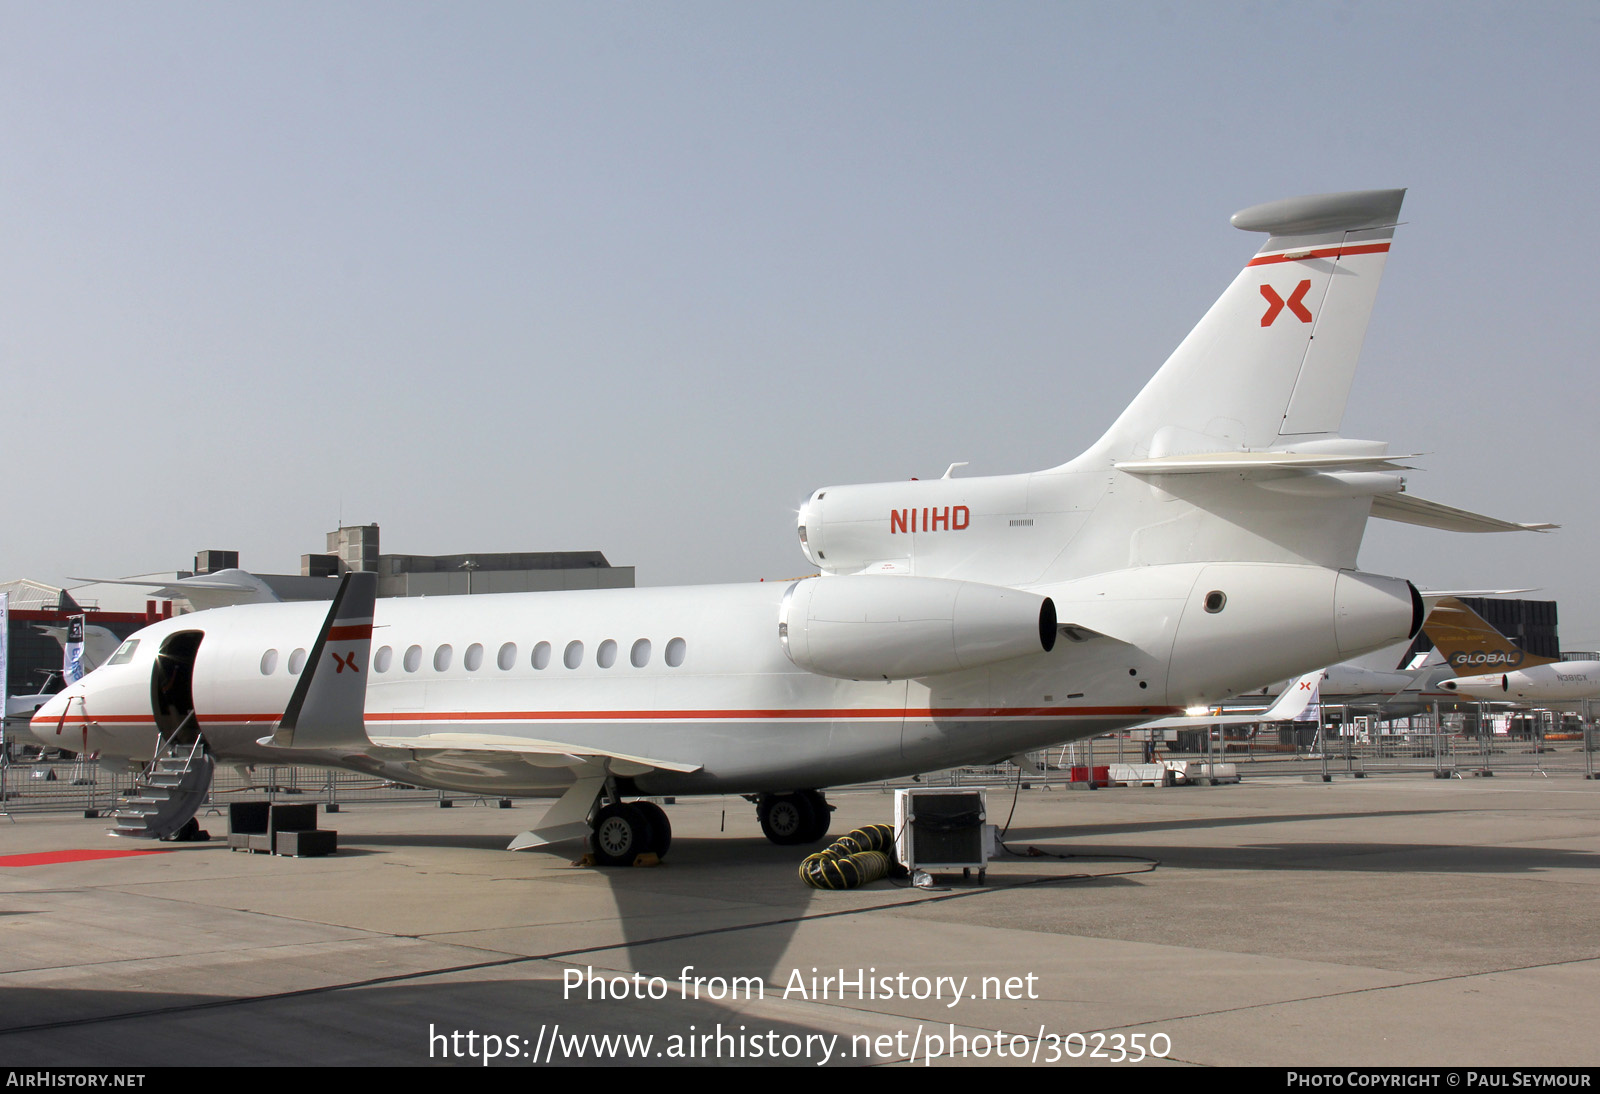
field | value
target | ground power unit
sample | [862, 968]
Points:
[941, 829]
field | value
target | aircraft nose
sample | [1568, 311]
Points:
[47, 718]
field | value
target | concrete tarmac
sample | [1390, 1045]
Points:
[1392, 921]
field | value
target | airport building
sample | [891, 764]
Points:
[125, 606]
[356, 548]
[1531, 624]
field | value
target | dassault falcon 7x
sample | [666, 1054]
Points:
[1205, 545]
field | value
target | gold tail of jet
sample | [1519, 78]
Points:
[1470, 645]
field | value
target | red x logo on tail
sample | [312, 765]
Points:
[1275, 303]
[344, 661]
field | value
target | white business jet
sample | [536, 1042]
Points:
[1205, 545]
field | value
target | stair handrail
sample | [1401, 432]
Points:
[163, 744]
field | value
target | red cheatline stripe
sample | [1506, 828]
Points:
[817, 714]
[350, 632]
[1320, 252]
[79, 719]
[747, 715]
[47, 858]
[590, 715]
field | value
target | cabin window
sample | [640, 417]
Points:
[413, 659]
[541, 655]
[382, 659]
[573, 657]
[269, 662]
[640, 654]
[676, 648]
[606, 655]
[441, 657]
[297, 661]
[124, 652]
[472, 660]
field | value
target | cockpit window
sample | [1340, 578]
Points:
[124, 652]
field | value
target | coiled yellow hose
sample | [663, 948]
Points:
[852, 860]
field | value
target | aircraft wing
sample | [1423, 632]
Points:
[221, 589]
[540, 753]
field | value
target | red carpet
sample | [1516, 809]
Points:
[45, 858]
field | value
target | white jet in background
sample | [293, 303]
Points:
[1470, 644]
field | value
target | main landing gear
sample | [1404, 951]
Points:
[625, 830]
[622, 831]
[802, 816]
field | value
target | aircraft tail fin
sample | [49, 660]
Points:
[328, 707]
[1272, 361]
[1470, 644]
[1296, 698]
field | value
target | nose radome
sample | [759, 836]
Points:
[45, 720]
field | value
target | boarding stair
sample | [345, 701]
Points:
[170, 790]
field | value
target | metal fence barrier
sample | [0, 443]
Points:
[90, 788]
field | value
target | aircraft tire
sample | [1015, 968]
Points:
[786, 819]
[660, 826]
[621, 834]
[821, 816]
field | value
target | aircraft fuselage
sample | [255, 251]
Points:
[504, 693]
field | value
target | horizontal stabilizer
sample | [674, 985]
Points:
[1436, 594]
[1211, 462]
[1410, 509]
[1432, 597]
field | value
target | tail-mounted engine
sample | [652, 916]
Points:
[898, 628]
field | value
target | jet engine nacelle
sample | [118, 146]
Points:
[898, 628]
[1288, 618]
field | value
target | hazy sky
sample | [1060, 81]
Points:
[639, 277]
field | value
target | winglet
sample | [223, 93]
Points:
[566, 819]
[328, 707]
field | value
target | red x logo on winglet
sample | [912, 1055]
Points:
[1275, 303]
